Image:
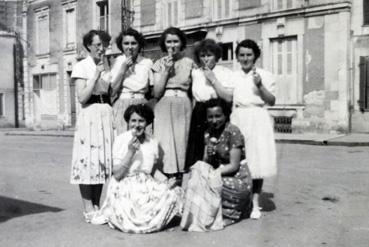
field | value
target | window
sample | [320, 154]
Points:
[103, 14]
[222, 9]
[42, 31]
[366, 12]
[45, 82]
[364, 83]
[227, 51]
[283, 4]
[284, 67]
[172, 12]
[2, 105]
[70, 26]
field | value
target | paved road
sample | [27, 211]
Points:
[319, 198]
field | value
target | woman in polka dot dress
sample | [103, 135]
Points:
[224, 151]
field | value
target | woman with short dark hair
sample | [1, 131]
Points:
[91, 162]
[172, 82]
[254, 88]
[139, 198]
[131, 74]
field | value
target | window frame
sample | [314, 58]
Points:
[40, 13]
[276, 7]
[2, 105]
[174, 15]
[365, 13]
[106, 11]
[72, 5]
[222, 15]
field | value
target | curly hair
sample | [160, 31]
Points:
[88, 38]
[142, 110]
[130, 32]
[174, 31]
[207, 45]
[218, 102]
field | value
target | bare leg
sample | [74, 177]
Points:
[256, 190]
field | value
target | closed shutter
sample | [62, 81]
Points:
[364, 77]
[147, 12]
[245, 4]
[365, 12]
[193, 8]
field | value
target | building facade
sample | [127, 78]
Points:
[318, 50]
[11, 82]
[54, 31]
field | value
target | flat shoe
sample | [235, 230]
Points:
[88, 216]
[99, 219]
[255, 214]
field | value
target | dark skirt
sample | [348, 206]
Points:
[196, 143]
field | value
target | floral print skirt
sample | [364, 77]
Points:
[92, 147]
[140, 204]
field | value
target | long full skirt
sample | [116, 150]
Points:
[92, 147]
[256, 125]
[171, 128]
[140, 204]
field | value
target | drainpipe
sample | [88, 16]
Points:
[16, 122]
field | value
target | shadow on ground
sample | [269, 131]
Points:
[266, 202]
[11, 208]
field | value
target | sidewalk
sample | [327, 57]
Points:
[350, 140]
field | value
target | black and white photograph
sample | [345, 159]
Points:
[240, 123]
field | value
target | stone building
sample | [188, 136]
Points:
[54, 30]
[318, 50]
[11, 79]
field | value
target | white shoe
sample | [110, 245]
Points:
[255, 213]
[99, 219]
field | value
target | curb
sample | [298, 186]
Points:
[39, 134]
[324, 143]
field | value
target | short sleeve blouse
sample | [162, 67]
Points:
[86, 69]
[246, 93]
[138, 81]
[143, 160]
[230, 138]
[202, 90]
[180, 77]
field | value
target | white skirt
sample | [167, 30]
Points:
[256, 125]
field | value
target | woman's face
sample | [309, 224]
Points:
[173, 44]
[130, 46]
[96, 47]
[207, 59]
[246, 58]
[215, 117]
[137, 123]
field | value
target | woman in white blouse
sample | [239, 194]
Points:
[254, 88]
[136, 201]
[130, 76]
[92, 159]
[207, 54]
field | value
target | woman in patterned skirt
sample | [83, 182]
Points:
[130, 76]
[172, 81]
[91, 163]
[136, 201]
[223, 152]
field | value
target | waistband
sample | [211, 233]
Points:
[175, 93]
[129, 95]
[99, 99]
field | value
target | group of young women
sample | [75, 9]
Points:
[206, 120]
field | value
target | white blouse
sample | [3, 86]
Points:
[86, 69]
[138, 81]
[144, 158]
[202, 90]
[245, 92]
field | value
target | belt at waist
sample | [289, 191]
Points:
[175, 93]
[99, 99]
[129, 95]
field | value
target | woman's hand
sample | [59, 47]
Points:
[209, 74]
[168, 63]
[256, 77]
[134, 144]
[99, 68]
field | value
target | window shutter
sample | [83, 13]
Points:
[147, 12]
[363, 83]
[193, 8]
[245, 4]
[365, 12]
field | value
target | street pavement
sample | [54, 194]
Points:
[320, 197]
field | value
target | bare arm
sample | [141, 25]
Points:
[265, 95]
[122, 170]
[161, 78]
[234, 165]
[85, 87]
[222, 92]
